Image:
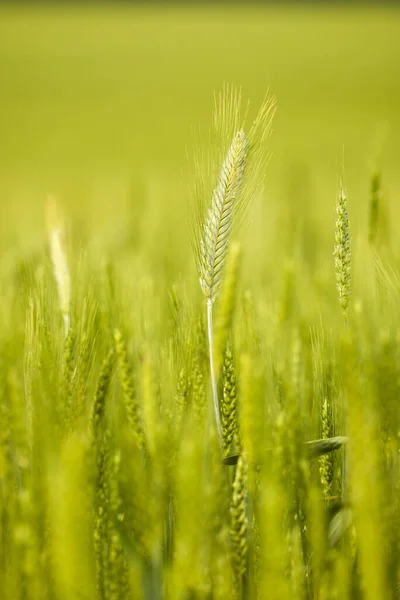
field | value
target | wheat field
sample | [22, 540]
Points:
[199, 302]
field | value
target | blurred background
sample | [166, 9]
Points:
[99, 101]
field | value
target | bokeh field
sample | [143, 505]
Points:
[112, 482]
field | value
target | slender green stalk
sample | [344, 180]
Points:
[212, 369]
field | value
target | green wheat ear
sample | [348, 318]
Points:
[342, 251]
[98, 408]
[228, 404]
[326, 460]
[126, 381]
[239, 524]
[217, 228]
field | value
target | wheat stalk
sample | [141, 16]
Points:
[215, 240]
[236, 186]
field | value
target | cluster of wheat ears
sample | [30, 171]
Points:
[117, 481]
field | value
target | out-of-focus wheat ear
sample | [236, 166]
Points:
[56, 231]
[374, 207]
[181, 400]
[342, 251]
[99, 404]
[131, 402]
[326, 460]
[82, 377]
[217, 228]
[118, 583]
[228, 404]
[67, 387]
[198, 390]
[101, 514]
[239, 523]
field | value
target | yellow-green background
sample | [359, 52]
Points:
[98, 104]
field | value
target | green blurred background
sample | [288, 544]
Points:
[98, 104]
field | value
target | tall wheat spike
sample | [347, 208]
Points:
[236, 186]
[342, 251]
[215, 240]
[217, 228]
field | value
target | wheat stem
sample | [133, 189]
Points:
[212, 369]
